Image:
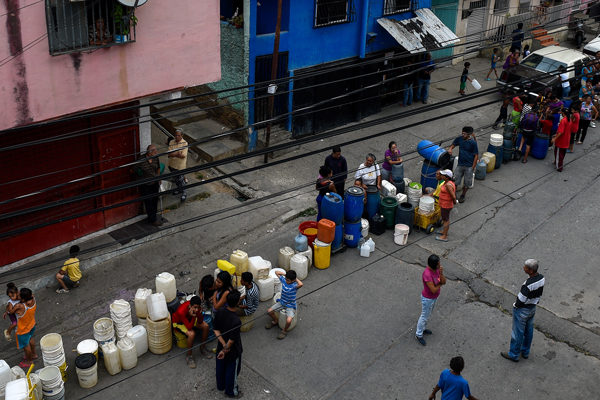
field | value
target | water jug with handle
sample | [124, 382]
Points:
[332, 207]
[165, 283]
[300, 243]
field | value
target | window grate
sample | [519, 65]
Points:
[396, 6]
[332, 12]
[501, 6]
[75, 26]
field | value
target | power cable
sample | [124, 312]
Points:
[20, 8]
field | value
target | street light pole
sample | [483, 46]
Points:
[273, 77]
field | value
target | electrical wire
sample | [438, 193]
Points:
[20, 8]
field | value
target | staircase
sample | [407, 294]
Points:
[541, 35]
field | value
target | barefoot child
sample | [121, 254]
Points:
[287, 303]
[25, 312]
[494, 60]
[13, 299]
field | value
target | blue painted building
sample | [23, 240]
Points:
[321, 42]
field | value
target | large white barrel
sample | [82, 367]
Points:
[259, 267]
[120, 313]
[127, 353]
[141, 309]
[140, 337]
[165, 284]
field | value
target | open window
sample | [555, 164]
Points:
[331, 12]
[78, 25]
[395, 6]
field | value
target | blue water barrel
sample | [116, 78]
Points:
[332, 208]
[480, 170]
[507, 150]
[497, 150]
[372, 201]
[405, 214]
[339, 236]
[354, 203]
[509, 128]
[398, 172]
[539, 147]
[399, 186]
[433, 153]
[428, 175]
[352, 233]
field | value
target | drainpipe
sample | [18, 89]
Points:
[363, 28]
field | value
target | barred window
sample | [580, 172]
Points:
[501, 6]
[395, 6]
[330, 12]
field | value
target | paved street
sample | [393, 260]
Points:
[355, 337]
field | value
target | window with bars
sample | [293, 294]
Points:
[395, 6]
[78, 25]
[331, 12]
[501, 6]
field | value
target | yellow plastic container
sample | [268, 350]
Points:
[225, 265]
[239, 258]
[322, 256]
[180, 338]
[247, 322]
[491, 163]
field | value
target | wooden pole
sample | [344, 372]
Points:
[273, 76]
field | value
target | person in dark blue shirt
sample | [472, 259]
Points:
[517, 36]
[467, 160]
[338, 165]
[452, 384]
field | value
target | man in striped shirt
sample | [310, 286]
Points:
[524, 311]
[249, 301]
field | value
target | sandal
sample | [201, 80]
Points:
[190, 362]
[282, 335]
[25, 364]
[441, 239]
[61, 291]
[524, 161]
[270, 324]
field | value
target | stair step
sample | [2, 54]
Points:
[539, 32]
[550, 43]
[545, 38]
[184, 115]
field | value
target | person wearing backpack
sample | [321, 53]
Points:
[528, 125]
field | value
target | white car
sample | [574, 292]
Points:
[592, 47]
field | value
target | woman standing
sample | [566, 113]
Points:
[561, 139]
[324, 186]
[446, 201]
[588, 113]
[392, 157]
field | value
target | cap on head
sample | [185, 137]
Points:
[446, 172]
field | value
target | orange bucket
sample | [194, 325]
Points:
[309, 229]
[326, 230]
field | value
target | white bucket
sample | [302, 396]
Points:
[53, 353]
[120, 313]
[496, 139]
[426, 205]
[87, 378]
[364, 227]
[127, 353]
[160, 335]
[51, 379]
[476, 84]
[401, 232]
[88, 346]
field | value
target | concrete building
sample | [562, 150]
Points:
[66, 66]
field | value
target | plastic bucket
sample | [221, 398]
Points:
[428, 175]
[401, 232]
[496, 139]
[60, 395]
[353, 203]
[104, 332]
[332, 207]
[309, 229]
[86, 367]
[433, 153]
[88, 346]
[180, 339]
[352, 233]
[388, 207]
[51, 379]
[322, 254]
[405, 214]
[372, 201]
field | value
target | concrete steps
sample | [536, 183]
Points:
[541, 35]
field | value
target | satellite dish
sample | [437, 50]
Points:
[131, 3]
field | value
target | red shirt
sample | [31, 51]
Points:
[517, 104]
[445, 200]
[564, 127]
[575, 123]
[430, 275]
[546, 126]
[182, 316]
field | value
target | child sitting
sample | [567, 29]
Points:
[287, 303]
[70, 274]
[248, 302]
[13, 299]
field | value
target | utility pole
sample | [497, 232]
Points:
[273, 77]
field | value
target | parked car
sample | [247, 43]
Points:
[534, 73]
[592, 47]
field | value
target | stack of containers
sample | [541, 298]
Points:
[104, 331]
[120, 313]
[353, 211]
[415, 191]
[435, 158]
[53, 353]
[332, 209]
[495, 147]
[53, 385]
[158, 325]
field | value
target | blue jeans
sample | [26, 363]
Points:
[408, 94]
[423, 89]
[227, 373]
[522, 332]
[565, 92]
[426, 309]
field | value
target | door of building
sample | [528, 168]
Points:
[475, 25]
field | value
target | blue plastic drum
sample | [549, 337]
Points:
[398, 172]
[352, 233]
[539, 147]
[428, 175]
[354, 203]
[497, 150]
[339, 236]
[433, 153]
[372, 201]
[332, 208]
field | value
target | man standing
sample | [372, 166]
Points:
[226, 327]
[467, 160]
[433, 278]
[518, 36]
[524, 311]
[452, 384]
[427, 68]
[150, 168]
[188, 319]
[337, 163]
[178, 160]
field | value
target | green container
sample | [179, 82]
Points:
[387, 207]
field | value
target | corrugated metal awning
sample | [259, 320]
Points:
[424, 32]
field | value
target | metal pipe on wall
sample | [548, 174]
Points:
[363, 28]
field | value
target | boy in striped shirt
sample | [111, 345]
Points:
[287, 303]
[249, 301]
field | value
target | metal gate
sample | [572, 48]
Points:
[475, 25]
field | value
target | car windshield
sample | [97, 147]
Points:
[542, 63]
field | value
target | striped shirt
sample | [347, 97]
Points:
[288, 293]
[252, 298]
[531, 291]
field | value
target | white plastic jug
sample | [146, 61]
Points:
[371, 243]
[112, 363]
[258, 267]
[284, 257]
[127, 353]
[239, 258]
[17, 390]
[266, 288]
[387, 188]
[165, 284]
[308, 253]
[157, 307]
[140, 338]
[299, 263]
[277, 282]
[365, 250]
[141, 309]
[476, 84]
[401, 197]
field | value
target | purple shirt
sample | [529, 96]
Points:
[394, 157]
[430, 275]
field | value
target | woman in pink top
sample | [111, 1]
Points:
[433, 279]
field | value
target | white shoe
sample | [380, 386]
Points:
[593, 124]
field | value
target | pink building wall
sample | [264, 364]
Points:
[177, 45]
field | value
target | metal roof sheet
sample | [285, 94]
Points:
[423, 32]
